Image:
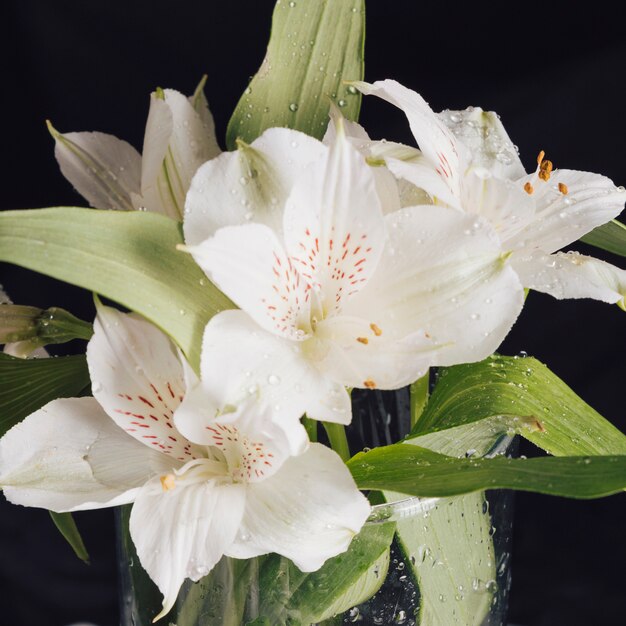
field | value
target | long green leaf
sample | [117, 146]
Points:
[417, 471]
[129, 257]
[67, 527]
[315, 45]
[26, 385]
[524, 387]
[450, 547]
[610, 236]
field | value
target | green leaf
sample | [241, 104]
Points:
[523, 387]
[67, 527]
[129, 257]
[315, 45]
[419, 397]
[610, 236]
[417, 471]
[289, 596]
[450, 547]
[26, 385]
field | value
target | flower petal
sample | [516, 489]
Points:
[138, 379]
[48, 459]
[503, 203]
[103, 169]
[573, 275]
[489, 144]
[248, 263]
[386, 186]
[309, 511]
[562, 218]
[177, 141]
[436, 142]
[250, 184]
[239, 361]
[183, 532]
[356, 356]
[443, 273]
[334, 226]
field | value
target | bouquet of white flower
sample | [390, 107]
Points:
[312, 261]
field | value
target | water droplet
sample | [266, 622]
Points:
[400, 617]
[352, 89]
[342, 103]
[292, 4]
[248, 91]
[354, 614]
[272, 379]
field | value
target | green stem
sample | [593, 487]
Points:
[338, 440]
[419, 398]
[311, 427]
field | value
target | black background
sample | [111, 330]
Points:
[555, 76]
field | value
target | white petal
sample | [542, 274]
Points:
[489, 144]
[103, 169]
[200, 105]
[250, 184]
[309, 511]
[573, 275]
[248, 263]
[443, 273]
[436, 142]
[560, 219]
[138, 379]
[334, 226]
[356, 356]
[423, 176]
[176, 143]
[503, 203]
[183, 532]
[48, 459]
[386, 186]
[240, 360]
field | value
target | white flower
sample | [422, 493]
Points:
[202, 487]
[469, 163]
[347, 295]
[110, 174]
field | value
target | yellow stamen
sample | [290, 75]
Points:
[563, 189]
[376, 330]
[168, 482]
[540, 157]
[363, 340]
[369, 383]
[528, 188]
[545, 169]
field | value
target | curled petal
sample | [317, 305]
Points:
[573, 275]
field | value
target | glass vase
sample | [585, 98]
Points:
[447, 565]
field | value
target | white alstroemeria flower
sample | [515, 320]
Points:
[202, 488]
[469, 163]
[346, 295]
[110, 174]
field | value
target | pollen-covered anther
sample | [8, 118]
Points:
[540, 157]
[528, 188]
[168, 482]
[369, 383]
[363, 340]
[563, 189]
[545, 169]
[376, 330]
